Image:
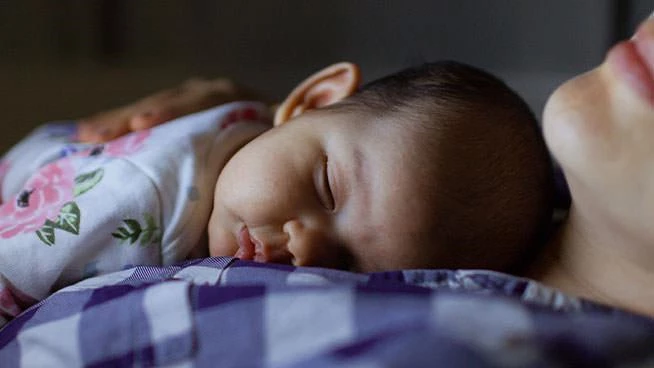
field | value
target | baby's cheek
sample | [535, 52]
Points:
[220, 245]
[221, 241]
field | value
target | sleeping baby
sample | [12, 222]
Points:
[436, 166]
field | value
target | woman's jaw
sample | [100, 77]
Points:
[600, 128]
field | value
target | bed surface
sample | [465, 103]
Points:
[226, 312]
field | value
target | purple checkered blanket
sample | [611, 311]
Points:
[222, 312]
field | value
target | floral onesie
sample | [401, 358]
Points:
[70, 211]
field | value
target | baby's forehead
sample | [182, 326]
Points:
[397, 146]
[401, 178]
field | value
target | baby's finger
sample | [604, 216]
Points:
[157, 112]
[151, 118]
[98, 130]
[90, 134]
[85, 132]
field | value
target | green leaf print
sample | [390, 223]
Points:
[84, 182]
[151, 233]
[132, 230]
[46, 233]
[69, 218]
[149, 221]
[147, 236]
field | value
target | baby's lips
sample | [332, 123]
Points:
[246, 249]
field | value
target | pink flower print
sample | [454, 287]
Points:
[42, 198]
[249, 114]
[126, 145]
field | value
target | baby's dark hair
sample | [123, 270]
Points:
[488, 172]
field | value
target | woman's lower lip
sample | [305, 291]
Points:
[629, 66]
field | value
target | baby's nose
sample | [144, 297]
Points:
[275, 255]
[309, 246]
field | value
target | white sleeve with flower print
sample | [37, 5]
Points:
[71, 211]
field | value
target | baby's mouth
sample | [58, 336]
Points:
[246, 248]
[252, 249]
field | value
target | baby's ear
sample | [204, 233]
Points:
[323, 88]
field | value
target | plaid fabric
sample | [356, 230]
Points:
[222, 312]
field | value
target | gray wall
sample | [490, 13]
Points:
[67, 58]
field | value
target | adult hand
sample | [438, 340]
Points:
[191, 96]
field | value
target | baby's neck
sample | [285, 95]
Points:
[596, 263]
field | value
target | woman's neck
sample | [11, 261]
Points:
[592, 259]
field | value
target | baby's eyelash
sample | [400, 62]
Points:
[327, 188]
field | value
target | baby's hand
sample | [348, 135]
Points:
[192, 96]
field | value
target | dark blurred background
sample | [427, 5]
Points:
[68, 58]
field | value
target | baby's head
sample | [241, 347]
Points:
[436, 166]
